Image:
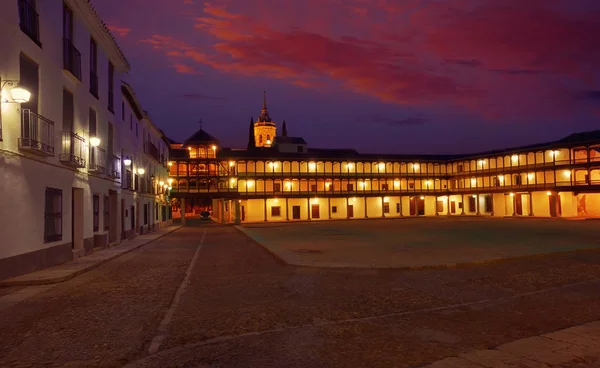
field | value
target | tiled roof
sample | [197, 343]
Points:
[114, 41]
[201, 137]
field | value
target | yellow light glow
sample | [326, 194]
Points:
[381, 166]
[474, 195]
[250, 183]
[232, 180]
[361, 184]
[515, 157]
[473, 181]
[422, 197]
[170, 164]
[288, 184]
[189, 148]
[481, 162]
[501, 178]
[141, 171]
[268, 141]
[312, 166]
[567, 173]
[549, 193]
[20, 95]
[94, 141]
[416, 166]
[314, 200]
[276, 200]
[353, 199]
[161, 183]
[214, 147]
[512, 194]
[386, 199]
[396, 183]
[170, 181]
[530, 175]
[231, 163]
[350, 165]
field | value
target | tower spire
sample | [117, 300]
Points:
[284, 130]
[264, 114]
[264, 100]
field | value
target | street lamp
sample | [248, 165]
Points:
[141, 171]
[17, 94]
[127, 161]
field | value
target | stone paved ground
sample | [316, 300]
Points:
[419, 242]
[245, 308]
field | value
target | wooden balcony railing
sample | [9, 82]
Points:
[73, 148]
[37, 133]
[114, 167]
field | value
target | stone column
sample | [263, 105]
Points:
[477, 205]
[182, 211]
[436, 209]
[448, 213]
[308, 206]
[265, 209]
[347, 205]
[462, 198]
[530, 204]
[237, 212]
[492, 203]
[287, 212]
[514, 201]
[366, 212]
[382, 204]
[222, 211]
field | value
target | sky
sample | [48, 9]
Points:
[379, 76]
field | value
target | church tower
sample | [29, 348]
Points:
[264, 128]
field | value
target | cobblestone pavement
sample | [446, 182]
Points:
[244, 308]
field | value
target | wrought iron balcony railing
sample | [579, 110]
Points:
[37, 133]
[73, 148]
[97, 160]
[71, 58]
[114, 167]
[29, 20]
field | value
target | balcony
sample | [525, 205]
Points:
[97, 160]
[152, 150]
[73, 148]
[94, 84]
[71, 59]
[37, 133]
[29, 21]
[114, 167]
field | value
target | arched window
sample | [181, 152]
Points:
[268, 137]
[260, 139]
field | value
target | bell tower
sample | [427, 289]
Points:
[264, 128]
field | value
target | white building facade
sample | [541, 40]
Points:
[65, 138]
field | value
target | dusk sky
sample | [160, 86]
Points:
[387, 76]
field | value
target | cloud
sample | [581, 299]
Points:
[472, 63]
[186, 69]
[200, 96]
[121, 31]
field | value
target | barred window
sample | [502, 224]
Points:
[53, 215]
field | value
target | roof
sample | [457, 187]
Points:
[289, 140]
[130, 96]
[200, 137]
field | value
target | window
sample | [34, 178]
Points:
[29, 20]
[275, 211]
[411, 185]
[397, 207]
[53, 215]
[96, 207]
[384, 187]
[472, 204]
[92, 123]
[145, 213]
[313, 187]
[68, 111]
[460, 168]
[29, 75]
[495, 181]
[333, 209]
[93, 68]
[350, 187]
[106, 207]
[277, 187]
[517, 180]
[488, 203]
[71, 56]
[386, 207]
[111, 81]
[156, 213]
[67, 23]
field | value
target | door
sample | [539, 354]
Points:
[472, 205]
[350, 211]
[555, 210]
[421, 207]
[132, 209]
[243, 213]
[413, 206]
[296, 212]
[518, 204]
[77, 218]
[123, 218]
[314, 211]
[453, 207]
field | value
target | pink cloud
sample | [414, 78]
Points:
[185, 69]
[121, 31]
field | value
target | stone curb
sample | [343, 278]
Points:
[292, 260]
[91, 266]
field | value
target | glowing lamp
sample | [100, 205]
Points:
[231, 163]
[20, 95]
[170, 181]
[94, 141]
[214, 147]
[141, 171]
[170, 163]
[422, 197]
[548, 193]
[161, 183]
[474, 195]
[311, 165]
[268, 141]
[512, 194]
[170, 188]
[127, 161]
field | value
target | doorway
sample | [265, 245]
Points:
[555, 209]
[296, 212]
[453, 207]
[77, 217]
[420, 206]
[123, 215]
[315, 211]
[519, 204]
[113, 208]
[350, 211]
[243, 213]
[132, 209]
[413, 206]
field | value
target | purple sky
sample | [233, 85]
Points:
[390, 76]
